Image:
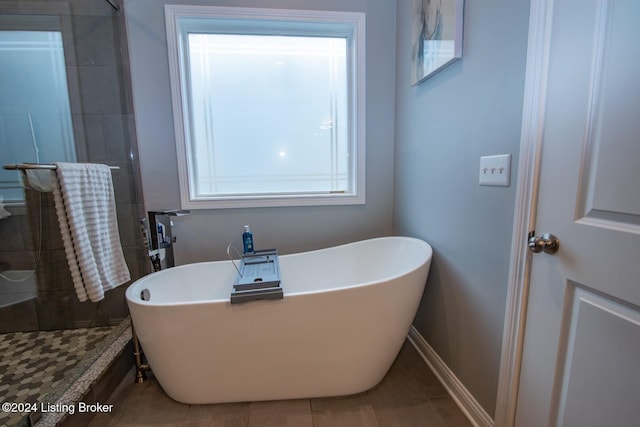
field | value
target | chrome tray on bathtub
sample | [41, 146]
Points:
[258, 277]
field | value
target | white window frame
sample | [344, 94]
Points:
[181, 18]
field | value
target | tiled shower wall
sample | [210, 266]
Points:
[104, 129]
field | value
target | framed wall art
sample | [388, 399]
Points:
[436, 36]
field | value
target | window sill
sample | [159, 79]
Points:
[272, 201]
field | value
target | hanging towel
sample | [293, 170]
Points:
[86, 209]
[40, 179]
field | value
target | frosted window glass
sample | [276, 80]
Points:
[268, 114]
[269, 106]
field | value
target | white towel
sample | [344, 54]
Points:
[85, 205]
[40, 179]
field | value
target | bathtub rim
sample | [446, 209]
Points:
[135, 299]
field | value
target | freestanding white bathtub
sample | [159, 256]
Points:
[345, 314]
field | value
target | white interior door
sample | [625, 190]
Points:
[581, 358]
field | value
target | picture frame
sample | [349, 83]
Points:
[436, 36]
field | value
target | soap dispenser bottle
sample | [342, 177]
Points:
[247, 240]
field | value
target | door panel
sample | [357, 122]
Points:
[600, 347]
[581, 354]
[611, 159]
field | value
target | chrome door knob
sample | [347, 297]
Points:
[547, 243]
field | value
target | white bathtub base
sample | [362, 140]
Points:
[332, 342]
[315, 359]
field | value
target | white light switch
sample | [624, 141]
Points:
[495, 170]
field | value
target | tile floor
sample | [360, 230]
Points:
[33, 363]
[409, 395]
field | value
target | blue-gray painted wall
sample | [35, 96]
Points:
[470, 109]
[206, 234]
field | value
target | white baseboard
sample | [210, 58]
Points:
[465, 400]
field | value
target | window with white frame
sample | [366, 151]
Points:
[268, 105]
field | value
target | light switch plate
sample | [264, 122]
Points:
[495, 170]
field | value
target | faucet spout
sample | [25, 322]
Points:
[160, 237]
